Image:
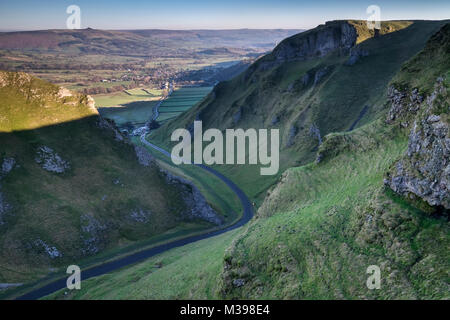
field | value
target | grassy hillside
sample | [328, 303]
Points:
[307, 94]
[125, 97]
[182, 99]
[71, 189]
[30, 103]
[325, 223]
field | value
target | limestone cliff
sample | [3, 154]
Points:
[424, 171]
[333, 35]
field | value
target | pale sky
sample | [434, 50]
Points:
[207, 14]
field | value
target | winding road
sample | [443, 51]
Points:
[110, 266]
[156, 107]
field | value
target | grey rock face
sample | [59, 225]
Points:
[7, 165]
[50, 160]
[403, 106]
[425, 169]
[355, 55]
[143, 156]
[320, 74]
[141, 216]
[305, 79]
[197, 207]
[52, 252]
[238, 283]
[92, 234]
[315, 132]
[334, 35]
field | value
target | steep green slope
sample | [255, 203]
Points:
[325, 223]
[71, 189]
[314, 83]
[30, 103]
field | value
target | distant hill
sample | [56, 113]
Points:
[140, 42]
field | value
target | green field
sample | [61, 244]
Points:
[135, 107]
[181, 100]
[127, 96]
[129, 107]
[134, 113]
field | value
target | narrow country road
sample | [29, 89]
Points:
[110, 266]
[156, 107]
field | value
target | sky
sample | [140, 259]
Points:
[208, 14]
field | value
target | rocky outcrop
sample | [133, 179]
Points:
[52, 252]
[7, 165]
[320, 74]
[238, 283]
[424, 171]
[305, 79]
[318, 42]
[110, 125]
[314, 131]
[3, 79]
[90, 102]
[403, 106]
[196, 205]
[26, 85]
[355, 55]
[139, 215]
[63, 93]
[92, 234]
[144, 157]
[50, 161]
